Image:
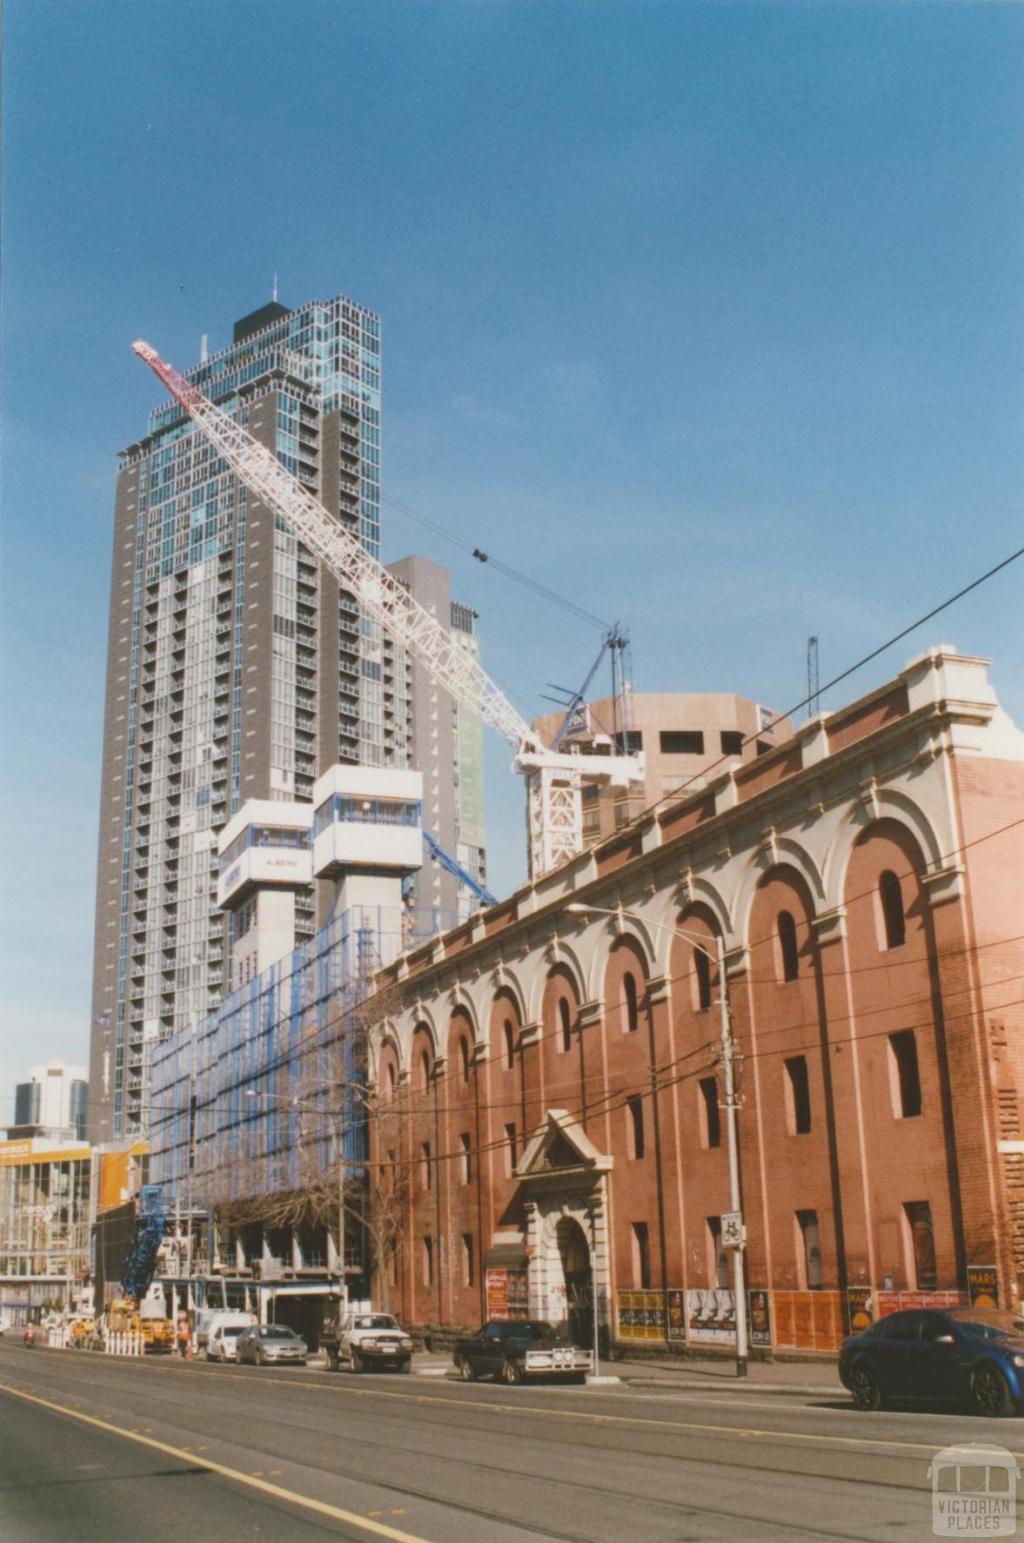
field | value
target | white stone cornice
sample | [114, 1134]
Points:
[944, 884]
[829, 926]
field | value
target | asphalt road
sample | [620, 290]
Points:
[118, 1450]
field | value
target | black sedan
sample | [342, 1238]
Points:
[516, 1349]
[964, 1356]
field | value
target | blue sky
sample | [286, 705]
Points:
[709, 316]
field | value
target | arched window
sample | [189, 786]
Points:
[565, 1020]
[510, 1044]
[895, 922]
[632, 1007]
[702, 971]
[788, 946]
[424, 1068]
[464, 1059]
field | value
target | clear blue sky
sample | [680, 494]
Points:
[710, 316]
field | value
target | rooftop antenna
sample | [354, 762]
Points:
[274, 292]
[813, 692]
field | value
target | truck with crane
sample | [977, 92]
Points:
[140, 1308]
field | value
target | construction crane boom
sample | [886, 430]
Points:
[553, 794]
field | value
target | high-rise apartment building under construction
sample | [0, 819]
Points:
[237, 668]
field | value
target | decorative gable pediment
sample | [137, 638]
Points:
[558, 1145]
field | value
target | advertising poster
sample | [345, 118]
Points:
[983, 1285]
[759, 1317]
[711, 1315]
[641, 1315]
[807, 1320]
[859, 1308]
[887, 1302]
[675, 1315]
[507, 1295]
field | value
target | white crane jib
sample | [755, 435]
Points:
[554, 812]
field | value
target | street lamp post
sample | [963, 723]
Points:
[728, 1052]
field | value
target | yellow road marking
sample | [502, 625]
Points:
[336, 1513]
[747, 1433]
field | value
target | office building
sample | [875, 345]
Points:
[53, 1102]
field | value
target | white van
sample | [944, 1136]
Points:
[212, 1318]
[222, 1344]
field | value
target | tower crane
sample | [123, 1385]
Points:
[553, 778]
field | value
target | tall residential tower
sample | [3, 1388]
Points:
[236, 668]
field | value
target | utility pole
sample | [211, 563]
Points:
[735, 1234]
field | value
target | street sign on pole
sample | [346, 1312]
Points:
[734, 1234]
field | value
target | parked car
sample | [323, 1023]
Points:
[222, 1341]
[365, 1341]
[270, 1344]
[210, 1317]
[515, 1349]
[964, 1355]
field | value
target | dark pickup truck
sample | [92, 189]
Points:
[519, 1349]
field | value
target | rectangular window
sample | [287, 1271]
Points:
[732, 742]
[635, 1123]
[466, 1157]
[809, 1261]
[904, 1078]
[798, 1096]
[426, 1173]
[711, 1124]
[681, 742]
[641, 1255]
[467, 1259]
[511, 1155]
[428, 1261]
[919, 1240]
[718, 1254]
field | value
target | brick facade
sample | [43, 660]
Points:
[549, 1083]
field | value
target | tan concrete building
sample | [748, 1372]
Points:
[685, 738]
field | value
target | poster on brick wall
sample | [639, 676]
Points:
[807, 1320]
[711, 1315]
[675, 1314]
[641, 1315]
[759, 1317]
[507, 1295]
[860, 1308]
[887, 1302]
[983, 1285]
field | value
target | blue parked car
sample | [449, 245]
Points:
[968, 1355]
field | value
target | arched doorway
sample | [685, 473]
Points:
[574, 1252]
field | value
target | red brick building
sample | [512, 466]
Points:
[549, 1084]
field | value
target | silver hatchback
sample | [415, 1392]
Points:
[271, 1344]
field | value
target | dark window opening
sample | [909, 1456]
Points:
[565, 1019]
[702, 970]
[632, 1006]
[891, 896]
[922, 1243]
[635, 1113]
[467, 1157]
[467, 1259]
[905, 1075]
[732, 742]
[428, 1261]
[464, 1059]
[763, 748]
[718, 1254]
[629, 743]
[425, 1068]
[711, 1124]
[510, 1044]
[511, 1156]
[788, 946]
[641, 1255]
[798, 1095]
[807, 1221]
[681, 742]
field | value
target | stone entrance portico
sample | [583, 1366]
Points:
[562, 1177]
